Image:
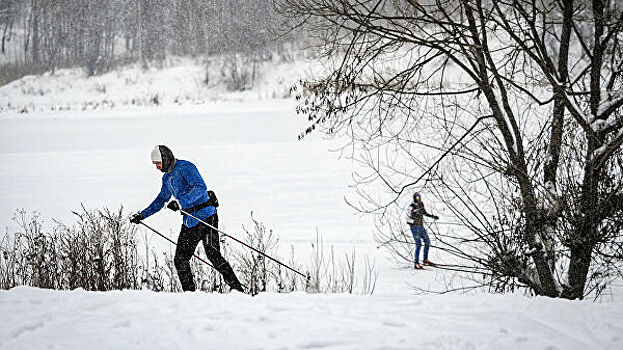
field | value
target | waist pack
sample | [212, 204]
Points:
[212, 202]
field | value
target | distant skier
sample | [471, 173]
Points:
[182, 180]
[416, 215]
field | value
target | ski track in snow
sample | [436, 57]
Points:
[44, 319]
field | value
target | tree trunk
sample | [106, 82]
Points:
[578, 271]
[555, 143]
[35, 32]
[6, 28]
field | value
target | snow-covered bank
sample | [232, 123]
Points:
[180, 81]
[38, 319]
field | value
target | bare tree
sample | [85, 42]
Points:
[52, 34]
[523, 98]
[8, 15]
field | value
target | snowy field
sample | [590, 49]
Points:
[55, 161]
[43, 319]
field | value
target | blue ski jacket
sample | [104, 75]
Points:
[185, 184]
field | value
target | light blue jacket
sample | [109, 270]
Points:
[184, 183]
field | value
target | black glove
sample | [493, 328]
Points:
[435, 217]
[173, 205]
[136, 218]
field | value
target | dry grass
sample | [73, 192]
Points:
[100, 252]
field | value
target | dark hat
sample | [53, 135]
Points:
[417, 196]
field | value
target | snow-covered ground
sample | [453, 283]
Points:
[56, 159]
[43, 319]
[178, 81]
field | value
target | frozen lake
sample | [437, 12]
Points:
[248, 153]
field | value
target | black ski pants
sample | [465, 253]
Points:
[187, 242]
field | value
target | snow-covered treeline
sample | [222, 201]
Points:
[38, 35]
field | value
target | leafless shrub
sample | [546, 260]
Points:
[238, 72]
[331, 275]
[100, 252]
[252, 265]
[12, 71]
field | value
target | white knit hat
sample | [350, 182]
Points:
[156, 156]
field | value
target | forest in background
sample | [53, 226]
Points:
[43, 35]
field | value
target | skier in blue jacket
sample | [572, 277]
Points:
[182, 181]
[416, 223]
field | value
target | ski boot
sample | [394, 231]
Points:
[417, 266]
[429, 263]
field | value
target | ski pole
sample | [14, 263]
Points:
[447, 223]
[167, 238]
[241, 242]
